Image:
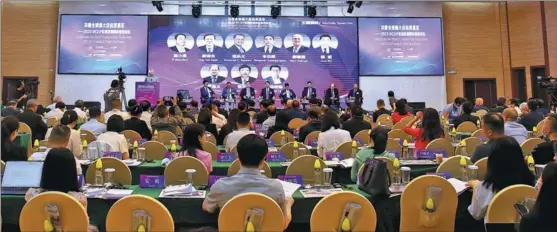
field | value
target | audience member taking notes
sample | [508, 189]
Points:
[60, 137]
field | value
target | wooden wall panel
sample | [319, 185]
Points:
[551, 28]
[29, 35]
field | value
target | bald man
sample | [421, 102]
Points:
[512, 127]
[480, 105]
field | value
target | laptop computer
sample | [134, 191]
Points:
[19, 176]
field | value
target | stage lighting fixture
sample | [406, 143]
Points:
[234, 11]
[312, 11]
[358, 4]
[350, 7]
[158, 5]
[196, 11]
[275, 11]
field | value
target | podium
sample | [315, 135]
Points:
[147, 91]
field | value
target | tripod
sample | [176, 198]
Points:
[123, 95]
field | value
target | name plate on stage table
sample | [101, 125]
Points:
[312, 143]
[151, 181]
[113, 154]
[445, 175]
[225, 157]
[296, 179]
[270, 142]
[276, 156]
[429, 154]
[213, 179]
[395, 152]
[332, 155]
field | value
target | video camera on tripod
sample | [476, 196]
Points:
[550, 85]
[30, 86]
[121, 78]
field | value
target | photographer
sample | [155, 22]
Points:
[20, 95]
[111, 94]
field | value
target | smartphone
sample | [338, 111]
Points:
[521, 209]
[182, 95]
[168, 100]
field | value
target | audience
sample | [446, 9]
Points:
[453, 110]
[429, 130]
[185, 112]
[136, 124]
[161, 120]
[295, 112]
[532, 118]
[493, 127]
[466, 115]
[94, 124]
[243, 126]
[176, 113]
[345, 116]
[312, 123]
[499, 106]
[114, 126]
[242, 106]
[399, 112]
[406, 106]
[480, 105]
[523, 108]
[60, 137]
[542, 108]
[262, 115]
[11, 151]
[505, 167]
[229, 127]
[69, 119]
[356, 122]
[218, 119]
[79, 106]
[515, 103]
[377, 148]
[392, 99]
[331, 135]
[281, 123]
[194, 138]
[194, 107]
[54, 101]
[116, 109]
[132, 102]
[205, 118]
[251, 106]
[544, 152]
[146, 114]
[270, 121]
[220, 110]
[11, 109]
[56, 112]
[512, 127]
[252, 151]
[380, 110]
[540, 218]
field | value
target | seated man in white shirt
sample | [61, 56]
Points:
[55, 100]
[116, 109]
[244, 125]
[59, 138]
[79, 105]
[218, 119]
[270, 121]
[56, 112]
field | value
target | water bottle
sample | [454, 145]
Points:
[354, 149]
[463, 169]
[317, 172]
[99, 179]
[396, 173]
[282, 138]
[295, 150]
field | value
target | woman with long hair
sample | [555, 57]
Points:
[377, 148]
[112, 136]
[429, 130]
[136, 124]
[11, 151]
[331, 135]
[194, 138]
[540, 218]
[69, 118]
[400, 111]
[229, 127]
[281, 123]
[205, 118]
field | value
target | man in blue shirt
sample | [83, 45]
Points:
[94, 124]
[453, 110]
[512, 127]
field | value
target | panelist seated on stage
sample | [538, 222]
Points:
[309, 92]
[244, 77]
[229, 92]
[267, 93]
[356, 94]
[214, 77]
[287, 94]
[247, 93]
[275, 78]
[207, 94]
[331, 96]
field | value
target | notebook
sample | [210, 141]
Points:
[19, 176]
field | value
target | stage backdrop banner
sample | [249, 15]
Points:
[100, 44]
[147, 91]
[184, 51]
[401, 47]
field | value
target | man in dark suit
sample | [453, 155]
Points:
[10, 109]
[262, 115]
[275, 78]
[267, 92]
[286, 94]
[269, 47]
[244, 77]
[313, 123]
[467, 108]
[309, 92]
[214, 78]
[544, 152]
[331, 96]
[210, 46]
[247, 93]
[207, 94]
[33, 120]
[229, 93]
[493, 127]
[297, 44]
[237, 47]
[356, 94]
[356, 123]
[180, 46]
[532, 118]
[380, 110]
[295, 112]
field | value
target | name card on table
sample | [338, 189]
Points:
[312, 142]
[261, 132]
[258, 126]
[445, 175]
[395, 152]
[276, 156]
[151, 181]
[168, 155]
[332, 155]
[80, 180]
[225, 157]
[295, 133]
[113, 154]
[270, 142]
[141, 141]
[296, 179]
[430, 154]
[213, 179]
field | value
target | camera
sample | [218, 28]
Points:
[549, 83]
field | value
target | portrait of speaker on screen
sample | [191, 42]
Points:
[268, 44]
[214, 73]
[325, 43]
[180, 42]
[238, 43]
[297, 43]
[274, 74]
[242, 73]
[210, 43]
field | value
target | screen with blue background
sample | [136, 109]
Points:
[401, 46]
[100, 44]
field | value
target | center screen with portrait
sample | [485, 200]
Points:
[184, 51]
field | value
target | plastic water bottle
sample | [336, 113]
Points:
[354, 148]
[317, 172]
[396, 173]
[463, 169]
[99, 179]
[282, 138]
[295, 150]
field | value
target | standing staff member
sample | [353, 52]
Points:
[20, 95]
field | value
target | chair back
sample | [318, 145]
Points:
[529, 145]
[384, 117]
[88, 136]
[73, 215]
[175, 171]
[501, 208]
[188, 121]
[482, 168]
[276, 137]
[51, 122]
[345, 148]
[467, 127]
[120, 215]
[452, 166]
[471, 144]
[477, 133]
[24, 128]
[412, 215]
[122, 174]
[540, 128]
[232, 216]
[131, 135]
[288, 150]
[43, 143]
[154, 150]
[101, 147]
[399, 134]
[313, 136]
[399, 125]
[211, 148]
[441, 144]
[211, 138]
[389, 163]
[295, 123]
[166, 136]
[235, 167]
[363, 136]
[251, 114]
[329, 212]
[393, 145]
[385, 121]
[481, 113]
[2, 166]
[303, 166]
[179, 131]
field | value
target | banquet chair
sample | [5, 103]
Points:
[179, 131]
[88, 136]
[441, 144]
[385, 121]
[25, 129]
[501, 208]
[345, 149]
[211, 148]
[529, 145]
[399, 134]
[251, 114]
[482, 168]
[101, 147]
[154, 150]
[224, 141]
[481, 113]
[131, 135]
[188, 121]
[43, 143]
[276, 137]
[313, 136]
[539, 128]
[120, 215]
[288, 150]
[329, 213]
[368, 118]
[399, 125]
[211, 138]
[389, 163]
[467, 127]
[384, 117]
[412, 215]
[405, 121]
[236, 165]
[477, 133]
[452, 166]
[393, 145]
[51, 122]
[363, 136]
[232, 216]
[2, 165]
[303, 166]
[175, 171]
[166, 136]
[471, 144]
[295, 123]
[73, 216]
[235, 150]
[122, 174]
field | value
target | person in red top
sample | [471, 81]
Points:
[400, 112]
[429, 129]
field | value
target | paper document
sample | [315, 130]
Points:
[117, 193]
[458, 185]
[347, 163]
[132, 162]
[289, 188]
[332, 163]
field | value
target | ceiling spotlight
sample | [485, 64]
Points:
[275, 11]
[196, 10]
[158, 5]
[234, 11]
[312, 11]
[350, 7]
[359, 4]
